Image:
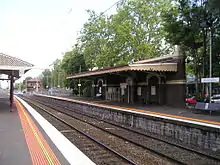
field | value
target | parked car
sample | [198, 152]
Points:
[215, 99]
[191, 100]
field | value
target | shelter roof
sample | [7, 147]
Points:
[6, 60]
[163, 67]
[13, 66]
[166, 63]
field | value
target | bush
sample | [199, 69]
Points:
[201, 98]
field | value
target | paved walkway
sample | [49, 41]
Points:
[13, 147]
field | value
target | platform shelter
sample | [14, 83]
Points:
[158, 81]
[14, 68]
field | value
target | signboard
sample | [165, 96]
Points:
[212, 80]
[139, 91]
[122, 91]
[79, 85]
[153, 90]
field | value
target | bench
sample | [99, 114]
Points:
[211, 107]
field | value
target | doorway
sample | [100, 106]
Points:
[153, 88]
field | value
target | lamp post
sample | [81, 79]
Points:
[210, 65]
[208, 24]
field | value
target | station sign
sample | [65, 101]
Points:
[210, 80]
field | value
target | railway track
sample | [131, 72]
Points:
[102, 154]
[174, 153]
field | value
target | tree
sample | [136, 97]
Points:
[19, 86]
[74, 62]
[134, 32]
[55, 77]
[58, 74]
[46, 78]
[187, 24]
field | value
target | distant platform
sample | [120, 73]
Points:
[180, 114]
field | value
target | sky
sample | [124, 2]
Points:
[38, 31]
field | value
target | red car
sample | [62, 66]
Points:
[191, 100]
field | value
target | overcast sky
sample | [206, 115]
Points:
[38, 31]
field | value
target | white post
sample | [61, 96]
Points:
[80, 81]
[37, 87]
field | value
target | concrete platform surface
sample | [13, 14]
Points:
[13, 147]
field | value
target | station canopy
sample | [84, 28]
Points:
[159, 64]
[13, 66]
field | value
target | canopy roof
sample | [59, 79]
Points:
[166, 63]
[13, 66]
[161, 66]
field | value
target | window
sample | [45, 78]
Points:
[139, 91]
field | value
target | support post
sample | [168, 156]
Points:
[11, 93]
[37, 87]
[210, 66]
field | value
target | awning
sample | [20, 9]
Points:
[162, 67]
[13, 66]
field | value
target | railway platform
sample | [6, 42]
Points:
[180, 113]
[188, 115]
[27, 138]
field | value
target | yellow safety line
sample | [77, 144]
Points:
[46, 154]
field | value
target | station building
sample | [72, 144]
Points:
[33, 84]
[159, 81]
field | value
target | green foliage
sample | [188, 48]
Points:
[183, 24]
[56, 77]
[74, 62]
[19, 86]
[189, 69]
[46, 78]
[133, 33]
[188, 24]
